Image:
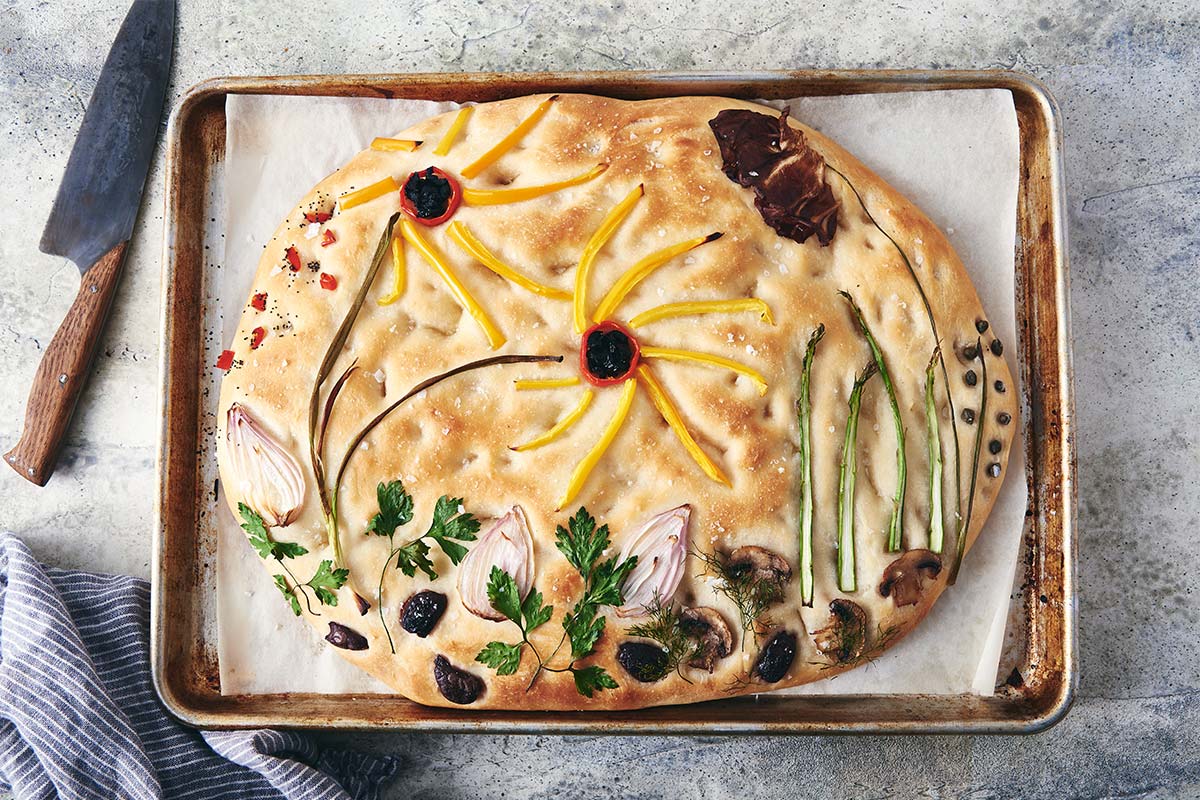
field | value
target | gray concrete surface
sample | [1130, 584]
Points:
[1125, 74]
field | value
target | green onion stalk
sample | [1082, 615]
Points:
[804, 414]
[965, 529]
[847, 573]
[896, 526]
[936, 524]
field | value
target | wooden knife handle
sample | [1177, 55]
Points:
[64, 369]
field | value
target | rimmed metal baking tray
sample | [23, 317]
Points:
[1044, 673]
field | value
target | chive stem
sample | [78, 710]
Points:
[804, 414]
[965, 529]
[846, 568]
[936, 523]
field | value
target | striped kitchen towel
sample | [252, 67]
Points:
[79, 717]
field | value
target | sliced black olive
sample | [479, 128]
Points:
[971, 378]
[981, 325]
[995, 446]
[971, 352]
[968, 415]
[644, 661]
[997, 348]
[1004, 418]
[421, 612]
[456, 685]
[776, 657]
[999, 386]
[341, 636]
[363, 605]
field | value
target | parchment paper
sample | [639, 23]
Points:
[954, 153]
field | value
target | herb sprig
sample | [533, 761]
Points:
[663, 627]
[582, 543]
[323, 584]
[450, 525]
[751, 594]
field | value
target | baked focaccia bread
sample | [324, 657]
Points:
[578, 403]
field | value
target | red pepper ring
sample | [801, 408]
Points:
[410, 208]
[609, 362]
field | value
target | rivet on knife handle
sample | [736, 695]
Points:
[63, 371]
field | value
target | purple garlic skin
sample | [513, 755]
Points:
[508, 545]
[661, 549]
[264, 476]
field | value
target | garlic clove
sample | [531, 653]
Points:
[661, 549]
[264, 475]
[507, 545]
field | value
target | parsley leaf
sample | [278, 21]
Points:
[395, 509]
[592, 679]
[606, 581]
[582, 542]
[415, 556]
[504, 595]
[289, 593]
[326, 581]
[584, 629]
[260, 538]
[534, 613]
[448, 524]
[504, 658]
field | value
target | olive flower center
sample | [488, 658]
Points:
[608, 353]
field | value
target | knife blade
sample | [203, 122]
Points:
[92, 220]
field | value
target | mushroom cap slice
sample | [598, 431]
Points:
[845, 637]
[714, 634]
[902, 578]
[761, 563]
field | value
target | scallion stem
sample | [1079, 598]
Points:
[804, 414]
[847, 573]
[936, 524]
[965, 529]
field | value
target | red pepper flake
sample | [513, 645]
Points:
[328, 238]
[259, 302]
[225, 360]
[317, 216]
[328, 281]
[293, 258]
[256, 337]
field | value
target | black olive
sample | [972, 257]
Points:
[421, 612]
[971, 378]
[999, 386]
[993, 470]
[1004, 418]
[609, 353]
[644, 661]
[981, 325]
[776, 657]
[994, 447]
[456, 685]
[968, 415]
[363, 605]
[341, 636]
[429, 192]
[970, 352]
[997, 348]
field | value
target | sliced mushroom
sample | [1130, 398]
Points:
[713, 632]
[845, 637]
[902, 578]
[761, 564]
[456, 685]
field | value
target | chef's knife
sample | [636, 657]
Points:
[93, 217]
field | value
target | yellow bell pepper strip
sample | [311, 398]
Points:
[405, 145]
[697, 307]
[670, 354]
[560, 427]
[662, 401]
[584, 468]
[436, 260]
[367, 193]
[525, 384]
[447, 141]
[463, 237]
[642, 270]
[607, 227]
[496, 197]
[508, 142]
[399, 273]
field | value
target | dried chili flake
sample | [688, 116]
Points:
[225, 360]
[328, 238]
[328, 281]
[256, 337]
[259, 301]
[293, 258]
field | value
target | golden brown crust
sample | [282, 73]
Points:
[455, 440]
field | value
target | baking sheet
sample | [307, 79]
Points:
[954, 153]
